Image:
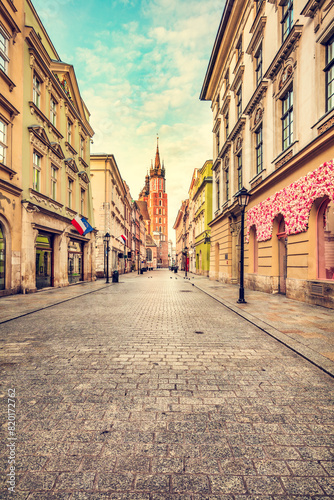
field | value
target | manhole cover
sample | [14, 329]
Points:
[199, 333]
[185, 290]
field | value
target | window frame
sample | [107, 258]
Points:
[239, 170]
[36, 90]
[259, 65]
[4, 52]
[37, 168]
[259, 149]
[3, 144]
[287, 19]
[328, 69]
[53, 111]
[287, 114]
[70, 184]
[239, 101]
[54, 180]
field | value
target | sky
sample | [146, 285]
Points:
[140, 66]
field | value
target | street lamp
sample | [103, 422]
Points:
[186, 253]
[243, 199]
[106, 240]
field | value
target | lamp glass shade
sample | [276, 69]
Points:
[243, 197]
[106, 238]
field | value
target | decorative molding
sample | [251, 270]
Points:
[284, 52]
[71, 166]
[225, 148]
[8, 170]
[70, 149]
[258, 34]
[325, 126]
[284, 160]
[6, 78]
[238, 78]
[83, 163]
[40, 198]
[238, 128]
[258, 95]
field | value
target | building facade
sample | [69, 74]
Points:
[45, 140]
[112, 214]
[154, 194]
[11, 106]
[273, 130]
[202, 215]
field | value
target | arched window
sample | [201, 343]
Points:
[2, 259]
[326, 240]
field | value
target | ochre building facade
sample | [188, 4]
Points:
[270, 82]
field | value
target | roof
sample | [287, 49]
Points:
[143, 209]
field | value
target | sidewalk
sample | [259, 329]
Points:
[304, 328]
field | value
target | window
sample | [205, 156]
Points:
[160, 195]
[53, 111]
[239, 102]
[259, 150]
[36, 90]
[37, 161]
[54, 174]
[258, 5]
[82, 147]
[217, 143]
[82, 201]
[227, 126]
[329, 70]
[70, 192]
[227, 79]
[69, 131]
[3, 142]
[258, 67]
[239, 171]
[326, 240]
[218, 193]
[227, 181]
[287, 119]
[239, 49]
[287, 18]
[4, 59]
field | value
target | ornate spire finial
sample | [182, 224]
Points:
[157, 156]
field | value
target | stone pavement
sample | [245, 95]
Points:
[307, 329]
[149, 389]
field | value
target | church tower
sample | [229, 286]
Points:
[154, 193]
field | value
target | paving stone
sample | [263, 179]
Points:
[148, 410]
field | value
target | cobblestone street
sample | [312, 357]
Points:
[149, 389]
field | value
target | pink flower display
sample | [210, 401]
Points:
[294, 202]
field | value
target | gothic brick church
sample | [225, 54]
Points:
[153, 202]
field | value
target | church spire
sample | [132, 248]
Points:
[157, 156]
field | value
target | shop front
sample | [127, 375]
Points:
[44, 260]
[75, 261]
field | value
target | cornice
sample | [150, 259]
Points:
[6, 78]
[10, 21]
[238, 127]
[284, 52]
[8, 106]
[256, 34]
[8, 170]
[256, 97]
[238, 77]
[311, 8]
[227, 145]
[8, 186]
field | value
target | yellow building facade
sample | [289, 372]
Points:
[47, 144]
[270, 82]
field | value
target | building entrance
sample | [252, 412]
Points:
[43, 261]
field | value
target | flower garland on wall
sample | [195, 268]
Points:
[294, 202]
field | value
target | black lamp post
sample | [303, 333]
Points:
[106, 240]
[186, 254]
[243, 199]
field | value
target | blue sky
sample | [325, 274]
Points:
[140, 66]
